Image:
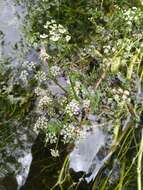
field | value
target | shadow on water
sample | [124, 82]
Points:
[44, 168]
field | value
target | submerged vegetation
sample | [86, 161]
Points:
[89, 74]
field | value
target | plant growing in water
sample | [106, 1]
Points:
[90, 67]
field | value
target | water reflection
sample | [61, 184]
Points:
[11, 23]
[15, 156]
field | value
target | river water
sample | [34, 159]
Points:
[11, 26]
[15, 157]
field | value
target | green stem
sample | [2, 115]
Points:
[72, 86]
[60, 181]
[139, 163]
[122, 177]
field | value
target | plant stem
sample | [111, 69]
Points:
[122, 176]
[139, 162]
[60, 180]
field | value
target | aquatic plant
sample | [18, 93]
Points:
[90, 67]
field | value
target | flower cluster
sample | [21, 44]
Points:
[54, 153]
[132, 14]
[44, 102]
[56, 32]
[55, 71]
[24, 77]
[41, 76]
[132, 17]
[41, 124]
[73, 108]
[69, 133]
[29, 65]
[89, 50]
[121, 95]
[43, 36]
[108, 48]
[51, 138]
[39, 91]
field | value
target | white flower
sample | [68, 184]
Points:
[54, 153]
[51, 138]
[39, 91]
[77, 84]
[69, 133]
[106, 49]
[127, 13]
[40, 124]
[55, 71]
[53, 21]
[24, 76]
[29, 65]
[47, 24]
[54, 27]
[114, 91]
[56, 31]
[73, 108]
[44, 102]
[68, 38]
[113, 49]
[120, 90]
[55, 37]
[61, 29]
[134, 8]
[43, 36]
[126, 92]
[41, 76]
[124, 97]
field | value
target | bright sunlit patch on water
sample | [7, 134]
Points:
[85, 156]
[25, 162]
[11, 21]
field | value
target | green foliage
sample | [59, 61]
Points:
[103, 58]
[96, 47]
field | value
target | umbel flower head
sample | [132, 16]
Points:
[24, 76]
[44, 102]
[54, 153]
[51, 138]
[73, 108]
[69, 133]
[41, 76]
[57, 32]
[55, 71]
[40, 124]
